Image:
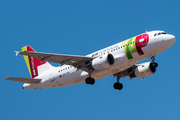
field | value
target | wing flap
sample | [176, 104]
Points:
[23, 80]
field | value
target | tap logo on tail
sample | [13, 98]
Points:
[31, 62]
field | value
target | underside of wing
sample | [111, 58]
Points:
[125, 73]
[23, 80]
[57, 58]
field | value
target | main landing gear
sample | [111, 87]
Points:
[118, 85]
[90, 80]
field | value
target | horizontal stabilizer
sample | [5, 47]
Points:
[23, 80]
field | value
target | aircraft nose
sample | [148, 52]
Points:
[171, 39]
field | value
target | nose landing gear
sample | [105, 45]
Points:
[154, 64]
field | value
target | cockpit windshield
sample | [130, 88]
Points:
[156, 34]
[163, 33]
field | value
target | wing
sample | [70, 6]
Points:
[23, 80]
[126, 73]
[76, 61]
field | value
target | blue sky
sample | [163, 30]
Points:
[81, 27]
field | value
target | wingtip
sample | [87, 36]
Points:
[17, 52]
[7, 78]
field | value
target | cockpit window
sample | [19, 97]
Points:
[163, 33]
[159, 33]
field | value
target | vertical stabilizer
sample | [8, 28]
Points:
[35, 66]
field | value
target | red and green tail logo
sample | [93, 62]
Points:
[31, 62]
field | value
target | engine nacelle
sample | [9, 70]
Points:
[145, 70]
[103, 62]
[120, 59]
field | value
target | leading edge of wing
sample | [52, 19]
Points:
[23, 80]
[57, 58]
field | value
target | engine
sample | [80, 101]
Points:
[102, 62]
[145, 70]
[121, 58]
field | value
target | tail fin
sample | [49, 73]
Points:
[35, 66]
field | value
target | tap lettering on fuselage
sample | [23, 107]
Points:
[135, 45]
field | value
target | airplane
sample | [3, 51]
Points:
[118, 60]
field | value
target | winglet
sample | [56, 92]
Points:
[17, 52]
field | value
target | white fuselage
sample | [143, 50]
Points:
[68, 75]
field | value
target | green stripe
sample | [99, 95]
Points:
[128, 53]
[26, 58]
